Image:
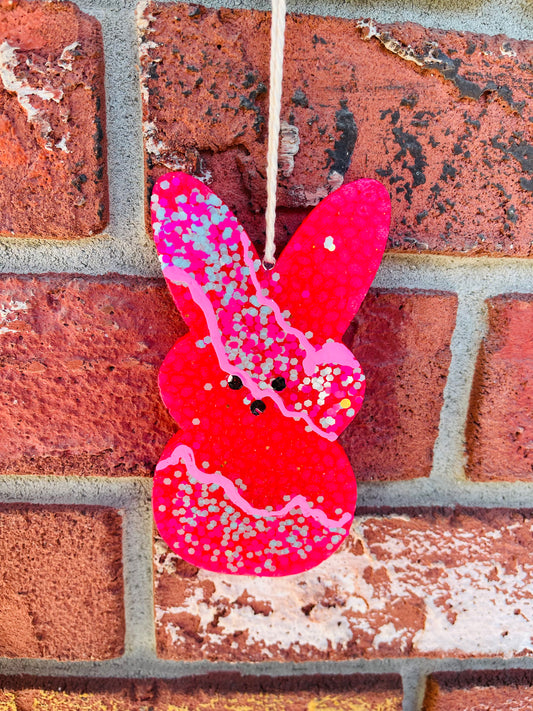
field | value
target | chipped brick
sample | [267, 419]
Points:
[443, 121]
[53, 174]
[409, 583]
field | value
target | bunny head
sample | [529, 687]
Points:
[261, 386]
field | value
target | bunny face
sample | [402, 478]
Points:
[260, 386]
[202, 246]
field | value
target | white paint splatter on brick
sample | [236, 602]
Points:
[23, 90]
[289, 147]
[67, 56]
[399, 586]
[6, 312]
[159, 149]
[62, 144]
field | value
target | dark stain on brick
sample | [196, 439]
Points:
[470, 47]
[435, 59]
[79, 181]
[341, 156]
[448, 171]
[250, 103]
[410, 101]
[98, 138]
[384, 172]
[527, 184]
[449, 69]
[410, 144]
[299, 98]
[152, 70]
[520, 150]
[249, 80]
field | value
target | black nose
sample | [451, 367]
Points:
[257, 407]
[279, 383]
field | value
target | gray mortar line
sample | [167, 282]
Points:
[144, 667]
[509, 17]
[138, 575]
[130, 492]
[449, 451]
[414, 687]
[60, 490]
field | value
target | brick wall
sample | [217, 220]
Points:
[429, 604]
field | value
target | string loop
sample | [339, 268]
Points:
[277, 46]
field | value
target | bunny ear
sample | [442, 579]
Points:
[326, 269]
[199, 244]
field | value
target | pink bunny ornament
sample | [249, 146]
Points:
[254, 483]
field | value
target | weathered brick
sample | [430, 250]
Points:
[53, 174]
[402, 340]
[61, 588]
[79, 358]
[434, 114]
[509, 690]
[216, 692]
[500, 423]
[433, 582]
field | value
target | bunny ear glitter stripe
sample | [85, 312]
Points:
[202, 246]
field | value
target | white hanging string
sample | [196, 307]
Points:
[277, 45]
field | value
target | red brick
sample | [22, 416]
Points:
[216, 692]
[53, 175]
[79, 359]
[61, 589]
[438, 114]
[509, 690]
[500, 423]
[429, 583]
[402, 340]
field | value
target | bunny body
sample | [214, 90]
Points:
[254, 482]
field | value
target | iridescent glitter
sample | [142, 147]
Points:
[296, 389]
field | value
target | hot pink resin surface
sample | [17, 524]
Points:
[254, 482]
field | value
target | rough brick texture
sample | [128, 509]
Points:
[402, 340]
[61, 588]
[433, 583]
[53, 180]
[442, 118]
[78, 374]
[218, 692]
[510, 690]
[500, 423]
[80, 356]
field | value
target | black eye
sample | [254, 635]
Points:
[235, 382]
[279, 384]
[257, 407]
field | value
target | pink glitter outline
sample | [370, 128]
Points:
[183, 453]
